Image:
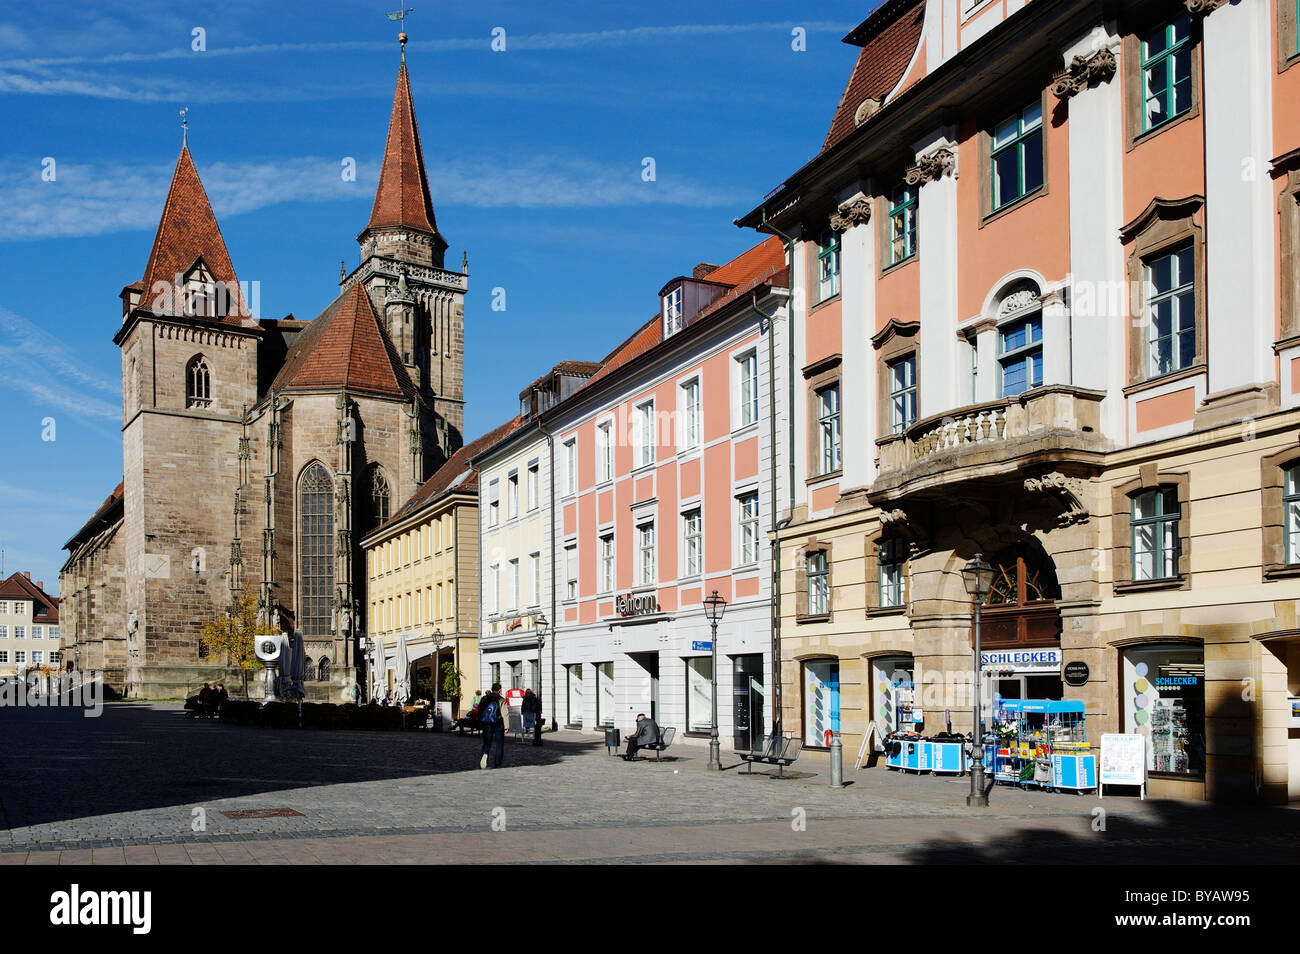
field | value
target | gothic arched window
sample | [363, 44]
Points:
[323, 671]
[379, 497]
[198, 383]
[315, 550]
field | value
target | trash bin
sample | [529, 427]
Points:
[611, 741]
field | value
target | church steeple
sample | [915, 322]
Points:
[402, 200]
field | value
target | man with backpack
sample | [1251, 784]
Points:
[492, 716]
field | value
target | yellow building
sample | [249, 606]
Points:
[422, 572]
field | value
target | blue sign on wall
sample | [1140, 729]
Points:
[705, 646]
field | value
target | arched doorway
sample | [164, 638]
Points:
[1020, 638]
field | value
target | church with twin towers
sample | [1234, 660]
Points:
[256, 453]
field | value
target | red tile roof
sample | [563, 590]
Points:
[346, 347]
[19, 587]
[444, 479]
[188, 231]
[764, 263]
[880, 65]
[402, 198]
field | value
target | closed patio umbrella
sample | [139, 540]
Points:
[378, 679]
[402, 664]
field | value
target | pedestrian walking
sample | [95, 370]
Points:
[492, 716]
[531, 707]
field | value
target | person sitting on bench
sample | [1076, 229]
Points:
[647, 733]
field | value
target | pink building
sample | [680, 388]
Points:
[665, 475]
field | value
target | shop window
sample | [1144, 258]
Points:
[1017, 156]
[495, 673]
[605, 693]
[573, 687]
[893, 690]
[699, 694]
[1162, 695]
[821, 700]
[1155, 534]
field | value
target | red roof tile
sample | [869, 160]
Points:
[19, 587]
[346, 347]
[765, 262]
[880, 65]
[188, 231]
[402, 198]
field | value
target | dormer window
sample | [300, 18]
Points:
[673, 311]
[199, 296]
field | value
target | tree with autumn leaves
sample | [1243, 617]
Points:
[233, 636]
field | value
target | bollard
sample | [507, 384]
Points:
[837, 763]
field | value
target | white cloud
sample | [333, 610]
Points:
[51, 374]
[103, 198]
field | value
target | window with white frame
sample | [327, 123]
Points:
[747, 388]
[1291, 514]
[1020, 354]
[494, 503]
[645, 433]
[673, 311]
[607, 563]
[534, 480]
[645, 548]
[689, 422]
[55, 657]
[53, 632]
[4, 632]
[20, 632]
[818, 578]
[492, 598]
[4, 607]
[4, 655]
[605, 451]
[38, 657]
[571, 466]
[20, 656]
[512, 495]
[891, 556]
[37, 632]
[747, 526]
[692, 543]
[828, 429]
[902, 394]
[535, 578]
[1171, 312]
[513, 581]
[571, 572]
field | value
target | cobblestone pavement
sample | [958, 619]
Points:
[133, 785]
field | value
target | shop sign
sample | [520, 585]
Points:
[1020, 659]
[1076, 673]
[632, 604]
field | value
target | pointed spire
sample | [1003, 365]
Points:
[402, 199]
[187, 232]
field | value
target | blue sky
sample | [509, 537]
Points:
[534, 157]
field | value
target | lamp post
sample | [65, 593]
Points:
[978, 578]
[540, 626]
[437, 638]
[714, 607]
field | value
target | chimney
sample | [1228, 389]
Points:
[27, 573]
[703, 269]
[40, 585]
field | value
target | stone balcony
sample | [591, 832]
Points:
[1032, 432]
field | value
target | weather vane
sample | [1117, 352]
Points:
[401, 16]
[185, 124]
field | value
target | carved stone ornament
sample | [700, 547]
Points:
[866, 109]
[1098, 67]
[851, 213]
[931, 166]
[1200, 8]
[892, 518]
[1070, 491]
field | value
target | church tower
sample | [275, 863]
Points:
[421, 302]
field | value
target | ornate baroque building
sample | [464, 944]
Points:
[257, 453]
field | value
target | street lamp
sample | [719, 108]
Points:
[714, 607]
[540, 626]
[978, 578]
[437, 638]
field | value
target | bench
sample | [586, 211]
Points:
[665, 740]
[771, 750]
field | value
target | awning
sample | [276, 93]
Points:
[412, 653]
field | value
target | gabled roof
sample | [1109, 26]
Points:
[187, 232]
[402, 199]
[455, 476]
[19, 587]
[345, 347]
[888, 39]
[765, 262]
